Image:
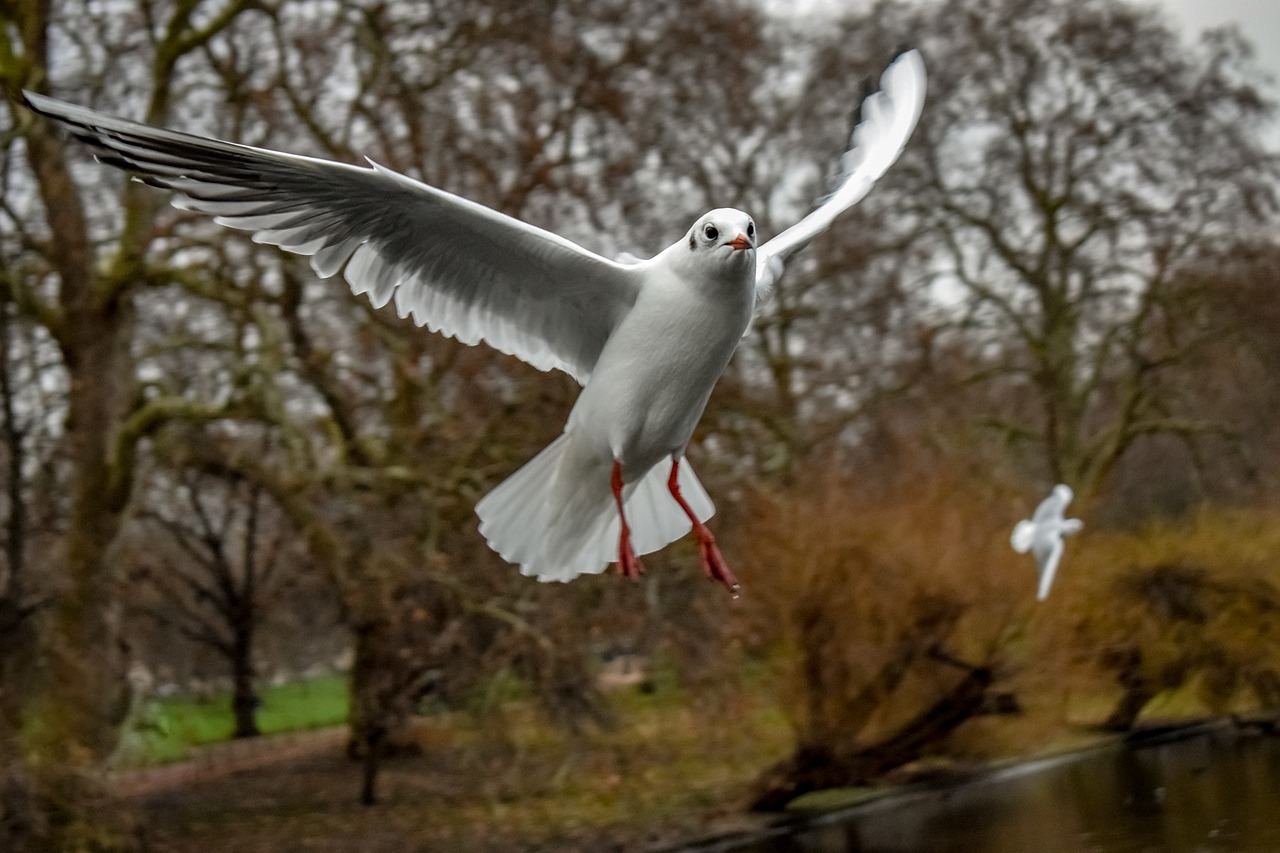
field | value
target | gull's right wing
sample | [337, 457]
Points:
[455, 266]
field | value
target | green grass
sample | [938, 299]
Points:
[166, 729]
[303, 705]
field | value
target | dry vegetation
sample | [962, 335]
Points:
[1192, 605]
[856, 583]
[903, 627]
[894, 611]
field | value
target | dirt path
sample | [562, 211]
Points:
[221, 759]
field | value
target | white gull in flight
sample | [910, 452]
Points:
[1042, 535]
[647, 340]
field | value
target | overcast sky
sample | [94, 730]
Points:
[1258, 19]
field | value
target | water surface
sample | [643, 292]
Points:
[1215, 792]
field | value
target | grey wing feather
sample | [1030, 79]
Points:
[888, 119]
[455, 266]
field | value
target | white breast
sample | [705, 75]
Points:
[656, 372]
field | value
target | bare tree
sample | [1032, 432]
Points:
[1075, 158]
[415, 427]
[572, 128]
[87, 244]
[222, 574]
[18, 641]
[1072, 168]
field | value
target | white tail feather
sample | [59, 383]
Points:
[556, 534]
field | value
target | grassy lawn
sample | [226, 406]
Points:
[165, 729]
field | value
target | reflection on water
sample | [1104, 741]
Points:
[1212, 793]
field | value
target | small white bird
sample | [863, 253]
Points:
[1042, 535]
[646, 339]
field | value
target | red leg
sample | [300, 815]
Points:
[712, 562]
[628, 563]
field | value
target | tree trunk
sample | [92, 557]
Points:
[1127, 710]
[83, 699]
[371, 764]
[821, 766]
[85, 695]
[22, 826]
[370, 710]
[20, 823]
[244, 700]
[1138, 690]
[383, 682]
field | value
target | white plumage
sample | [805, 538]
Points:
[646, 339]
[1042, 535]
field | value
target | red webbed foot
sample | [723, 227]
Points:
[629, 565]
[712, 560]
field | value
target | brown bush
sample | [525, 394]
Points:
[891, 612]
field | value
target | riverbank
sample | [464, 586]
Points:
[647, 788]
[942, 780]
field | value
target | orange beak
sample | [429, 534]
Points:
[739, 243]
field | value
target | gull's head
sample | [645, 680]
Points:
[718, 252]
[1063, 493]
[723, 236]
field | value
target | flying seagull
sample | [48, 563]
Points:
[1042, 535]
[647, 340]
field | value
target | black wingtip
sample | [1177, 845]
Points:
[855, 114]
[31, 100]
[27, 102]
[869, 86]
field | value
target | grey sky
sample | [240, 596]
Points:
[1258, 19]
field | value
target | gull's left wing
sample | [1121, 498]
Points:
[888, 118]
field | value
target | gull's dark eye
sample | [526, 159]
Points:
[751, 230]
[710, 232]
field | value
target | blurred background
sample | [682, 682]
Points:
[236, 501]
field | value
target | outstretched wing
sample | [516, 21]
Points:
[455, 266]
[1024, 533]
[888, 118]
[1048, 554]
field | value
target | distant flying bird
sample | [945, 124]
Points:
[647, 339]
[1042, 535]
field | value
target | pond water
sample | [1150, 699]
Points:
[1213, 792]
